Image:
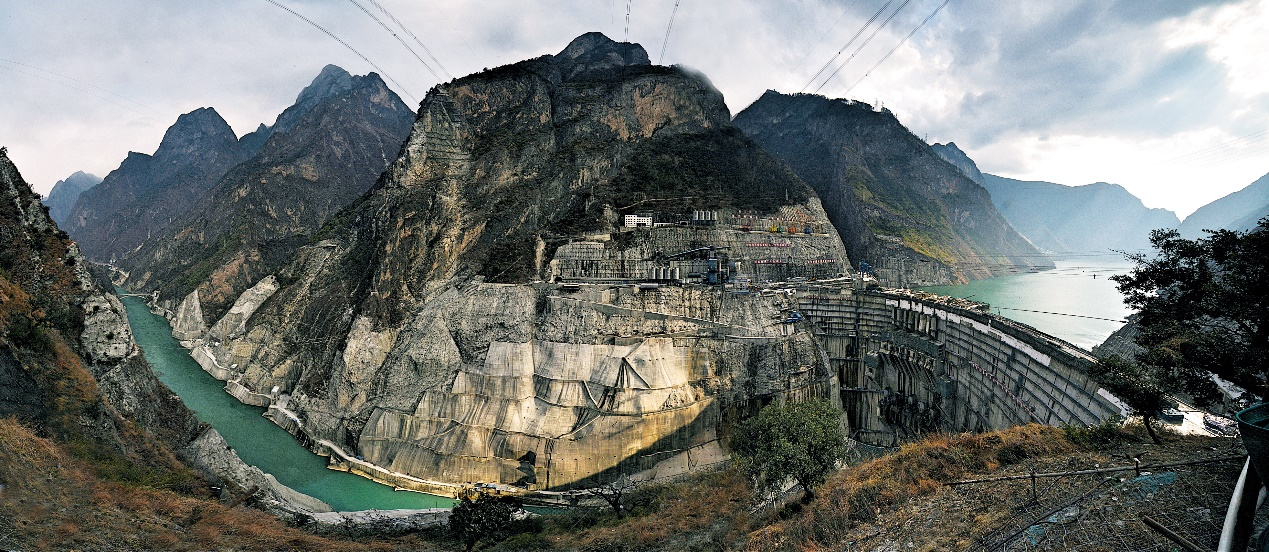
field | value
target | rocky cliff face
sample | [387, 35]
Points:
[1094, 219]
[61, 199]
[139, 199]
[69, 365]
[470, 319]
[896, 203]
[952, 154]
[320, 155]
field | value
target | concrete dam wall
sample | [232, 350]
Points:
[912, 363]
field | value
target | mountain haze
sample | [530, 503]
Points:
[142, 196]
[1078, 220]
[1237, 211]
[61, 199]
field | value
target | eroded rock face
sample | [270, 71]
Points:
[187, 323]
[431, 333]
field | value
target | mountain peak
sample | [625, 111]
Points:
[596, 52]
[331, 81]
[200, 128]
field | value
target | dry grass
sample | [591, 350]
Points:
[707, 512]
[54, 501]
[863, 494]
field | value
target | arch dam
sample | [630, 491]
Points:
[911, 362]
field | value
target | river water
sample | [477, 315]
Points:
[257, 440]
[1076, 301]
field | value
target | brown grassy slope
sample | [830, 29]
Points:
[54, 501]
[901, 498]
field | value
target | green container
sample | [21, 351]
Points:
[1253, 423]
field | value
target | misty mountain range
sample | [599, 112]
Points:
[1101, 218]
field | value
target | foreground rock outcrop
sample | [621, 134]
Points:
[475, 317]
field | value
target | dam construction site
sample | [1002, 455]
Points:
[639, 351]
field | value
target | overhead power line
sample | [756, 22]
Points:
[76, 88]
[865, 43]
[896, 47]
[1233, 155]
[861, 30]
[824, 35]
[627, 36]
[88, 84]
[1063, 314]
[394, 35]
[346, 45]
[667, 32]
[416, 39]
[1253, 137]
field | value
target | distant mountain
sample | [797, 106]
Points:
[320, 155]
[1076, 220]
[65, 193]
[146, 192]
[1237, 211]
[891, 197]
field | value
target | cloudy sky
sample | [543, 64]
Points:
[1167, 97]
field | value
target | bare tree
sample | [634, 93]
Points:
[614, 491]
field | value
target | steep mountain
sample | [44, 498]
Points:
[1237, 211]
[65, 193]
[896, 203]
[474, 316]
[69, 368]
[146, 192]
[952, 154]
[321, 154]
[1077, 220]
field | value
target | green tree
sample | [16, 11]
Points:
[803, 441]
[1203, 305]
[1136, 385]
[486, 517]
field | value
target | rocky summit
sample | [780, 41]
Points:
[321, 154]
[549, 287]
[141, 197]
[903, 210]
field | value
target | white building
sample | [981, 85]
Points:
[636, 221]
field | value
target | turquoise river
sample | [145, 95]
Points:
[256, 439]
[1076, 301]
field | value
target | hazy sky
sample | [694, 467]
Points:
[1167, 97]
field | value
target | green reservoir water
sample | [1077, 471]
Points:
[256, 439]
[1076, 287]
